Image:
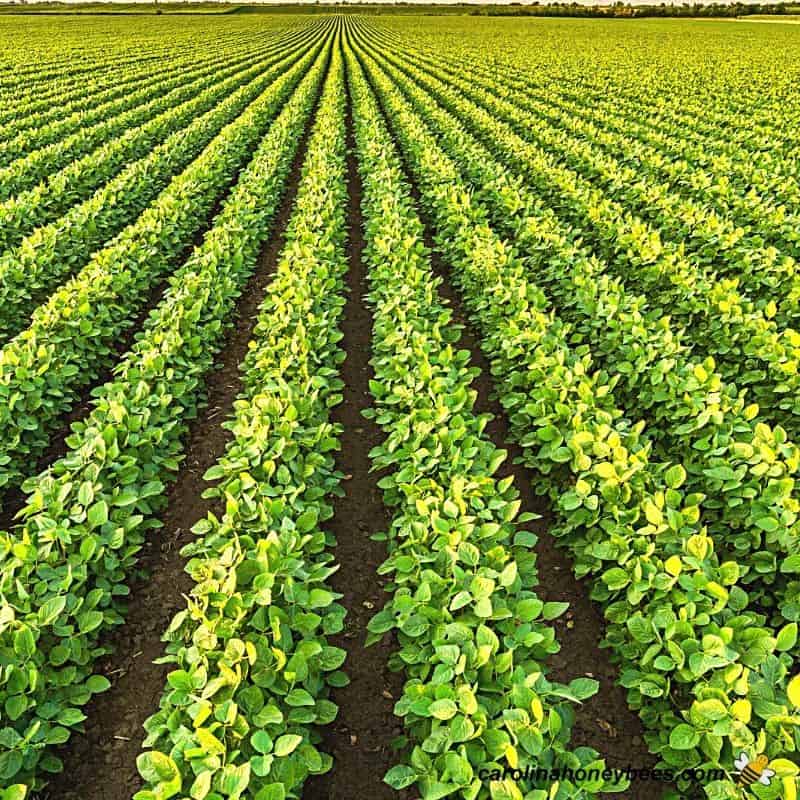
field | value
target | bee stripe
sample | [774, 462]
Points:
[748, 775]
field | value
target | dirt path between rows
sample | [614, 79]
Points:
[101, 765]
[360, 736]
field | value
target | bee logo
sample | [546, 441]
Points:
[755, 771]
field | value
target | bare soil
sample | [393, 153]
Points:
[359, 738]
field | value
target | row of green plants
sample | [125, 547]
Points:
[65, 569]
[718, 320]
[72, 336]
[710, 242]
[706, 674]
[176, 85]
[707, 165]
[54, 252]
[473, 635]
[30, 81]
[725, 221]
[95, 56]
[26, 171]
[253, 666]
[667, 220]
[740, 104]
[82, 93]
[643, 180]
[36, 89]
[75, 183]
[744, 469]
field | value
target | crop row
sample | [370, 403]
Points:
[696, 102]
[82, 93]
[139, 107]
[715, 241]
[744, 469]
[714, 247]
[253, 663]
[473, 635]
[768, 218]
[72, 335]
[707, 674]
[718, 320]
[64, 78]
[65, 568]
[30, 272]
[22, 213]
[184, 75]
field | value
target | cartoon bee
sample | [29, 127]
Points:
[754, 771]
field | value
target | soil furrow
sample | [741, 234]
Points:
[359, 739]
[604, 721]
[101, 764]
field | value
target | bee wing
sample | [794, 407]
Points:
[766, 776]
[741, 762]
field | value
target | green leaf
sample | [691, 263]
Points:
[98, 514]
[299, 697]
[791, 564]
[529, 609]
[89, 621]
[683, 737]
[793, 691]
[675, 476]
[51, 609]
[400, 777]
[155, 767]
[24, 643]
[97, 683]
[201, 786]
[272, 791]
[10, 764]
[787, 637]
[210, 743]
[320, 598]
[234, 780]
[261, 741]
[443, 709]
[15, 706]
[582, 688]
[287, 744]
[554, 609]
[307, 520]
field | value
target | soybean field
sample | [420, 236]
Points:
[399, 407]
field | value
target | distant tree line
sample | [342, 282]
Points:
[620, 10]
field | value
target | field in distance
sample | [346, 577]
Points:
[398, 406]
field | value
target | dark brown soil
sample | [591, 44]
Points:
[604, 721]
[101, 765]
[359, 738]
